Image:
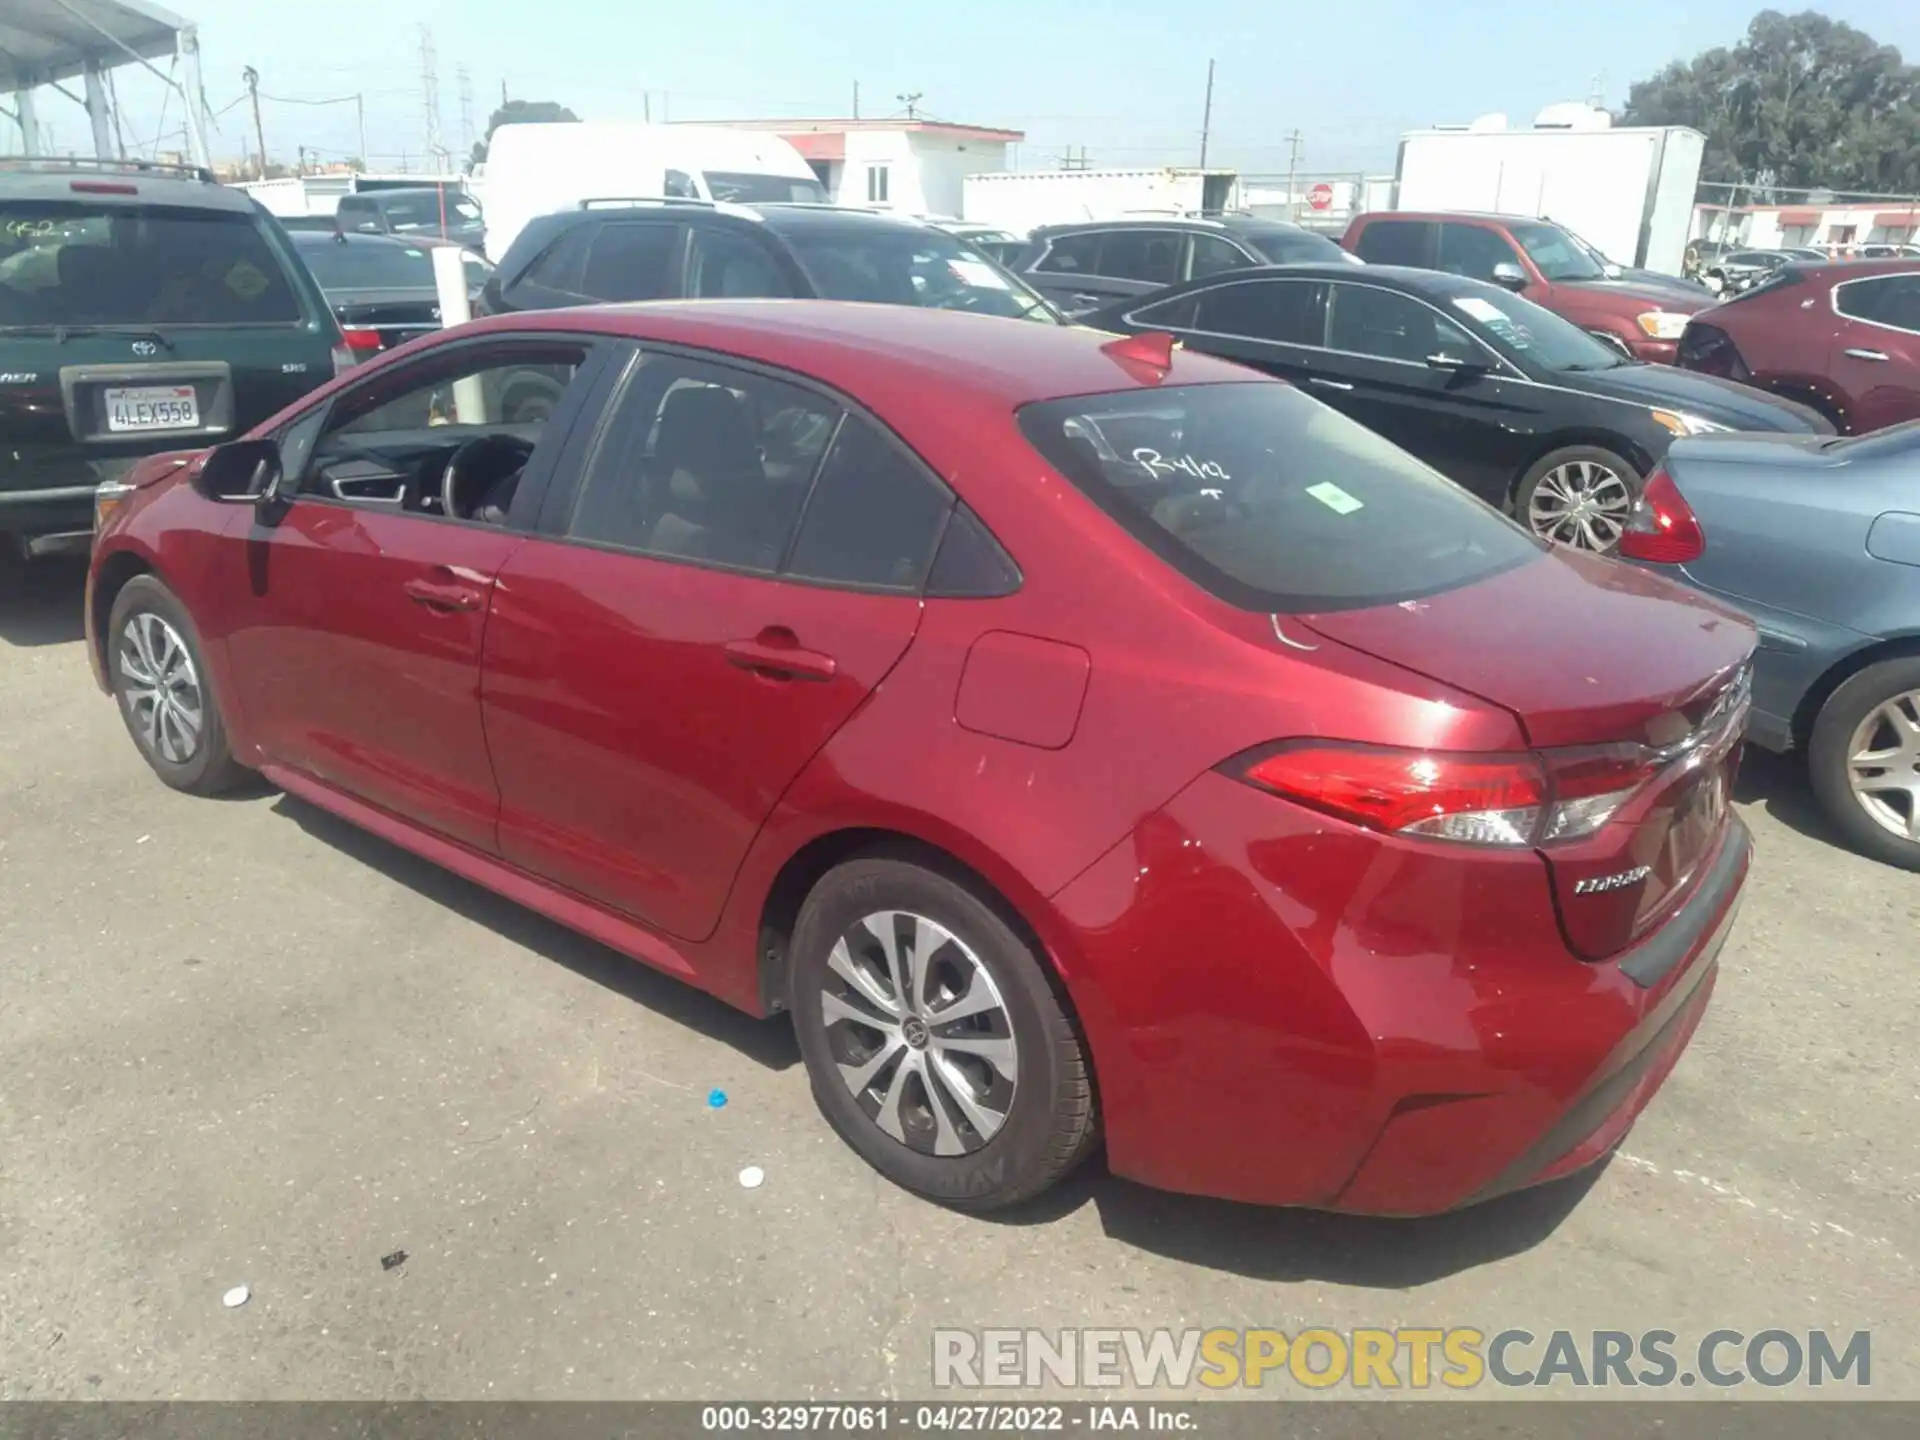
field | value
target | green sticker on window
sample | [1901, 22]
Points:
[1334, 498]
[246, 281]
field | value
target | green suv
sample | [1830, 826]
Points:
[142, 308]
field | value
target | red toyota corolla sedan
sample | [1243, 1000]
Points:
[1083, 739]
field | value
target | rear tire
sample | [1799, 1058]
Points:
[982, 1109]
[166, 697]
[1579, 496]
[1876, 713]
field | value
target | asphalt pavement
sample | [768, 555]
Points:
[242, 1044]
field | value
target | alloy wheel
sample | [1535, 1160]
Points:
[1883, 765]
[920, 1033]
[1583, 504]
[161, 688]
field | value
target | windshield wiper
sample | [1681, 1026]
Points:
[63, 333]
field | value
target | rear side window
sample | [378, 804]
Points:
[1149, 255]
[563, 265]
[1284, 311]
[1270, 500]
[1211, 255]
[631, 261]
[873, 518]
[728, 264]
[1395, 242]
[1072, 255]
[71, 263]
[1885, 300]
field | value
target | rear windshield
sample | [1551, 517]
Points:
[929, 268]
[1270, 500]
[71, 263]
[420, 214]
[1293, 247]
[346, 265]
[739, 189]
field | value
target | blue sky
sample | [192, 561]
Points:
[1125, 80]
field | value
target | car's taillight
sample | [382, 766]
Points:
[1663, 527]
[357, 343]
[1522, 799]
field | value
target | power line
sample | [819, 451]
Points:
[430, 91]
[465, 82]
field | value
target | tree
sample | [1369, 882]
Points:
[1801, 102]
[521, 112]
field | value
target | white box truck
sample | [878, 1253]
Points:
[1628, 191]
[1021, 200]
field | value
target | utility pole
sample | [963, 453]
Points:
[252, 77]
[360, 115]
[910, 101]
[1293, 169]
[430, 94]
[646, 106]
[856, 99]
[1206, 117]
[465, 83]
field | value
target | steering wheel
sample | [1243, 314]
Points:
[471, 461]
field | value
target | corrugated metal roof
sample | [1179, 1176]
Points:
[47, 40]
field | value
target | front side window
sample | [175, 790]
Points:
[1555, 254]
[448, 436]
[1528, 332]
[1395, 242]
[1211, 255]
[1287, 312]
[679, 186]
[1297, 247]
[1474, 251]
[1270, 500]
[891, 265]
[70, 263]
[1363, 320]
[705, 463]
[1892, 300]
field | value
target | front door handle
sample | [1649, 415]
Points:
[1867, 354]
[443, 597]
[1329, 384]
[775, 652]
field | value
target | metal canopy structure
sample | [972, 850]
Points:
[50, 42]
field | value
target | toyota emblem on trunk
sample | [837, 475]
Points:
[145, 348]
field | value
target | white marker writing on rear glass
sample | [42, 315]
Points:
[1159, 464]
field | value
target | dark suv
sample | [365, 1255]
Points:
[441, 211]
[142, 309]
[672, 249]
[1081, 267]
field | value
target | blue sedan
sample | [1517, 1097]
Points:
[1818, 540]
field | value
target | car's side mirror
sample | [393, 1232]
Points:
[246, 472]
[1510, 275]
[1611, 271]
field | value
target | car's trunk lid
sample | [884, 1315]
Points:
[399, 314]
[1588, 653]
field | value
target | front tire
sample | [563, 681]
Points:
[1580, 496]
[1863, 760]
[934, 1040]
[160, 680]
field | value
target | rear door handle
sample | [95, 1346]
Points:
[443, 597]
[1868, 354]
[776, 652]
[1329, 384]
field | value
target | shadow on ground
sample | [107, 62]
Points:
[1778, 784]
[766, 1042]
[41, 603]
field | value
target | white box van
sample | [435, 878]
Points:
[540, 169]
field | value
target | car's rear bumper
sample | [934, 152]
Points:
[1285, 1010]
[33, 517]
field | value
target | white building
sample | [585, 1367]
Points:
[1827, 227]
[913, 167]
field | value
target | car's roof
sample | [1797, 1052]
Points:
[95, 186]
[1392, 277]
[862, 348]
[1200, 224]
[1491, 215]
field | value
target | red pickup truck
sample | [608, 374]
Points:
[1538, 259]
